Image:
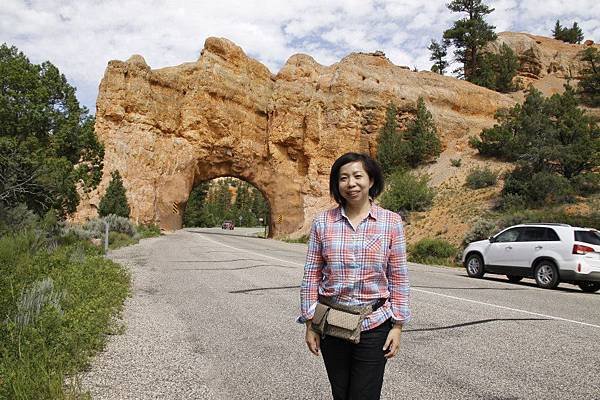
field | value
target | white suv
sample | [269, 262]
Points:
[549, 253]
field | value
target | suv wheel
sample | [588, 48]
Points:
[546, 274]
[474, 266]
[589, 287]
[514, 278]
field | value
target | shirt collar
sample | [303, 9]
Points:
[341, 213]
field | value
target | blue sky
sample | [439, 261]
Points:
[80, 37]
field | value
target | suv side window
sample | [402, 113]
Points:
[591, 237]
[510, 235]
[539, 234]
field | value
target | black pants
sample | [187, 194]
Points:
[355, 371]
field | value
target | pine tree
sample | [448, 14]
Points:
[589, 85]
[557, 32]
[421, 142]
[438, 56]
[389, 146]
[469, 35]
[114, 200]
[496, 71]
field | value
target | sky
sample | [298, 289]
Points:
[80, 37]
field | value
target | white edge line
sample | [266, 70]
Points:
[427, 291]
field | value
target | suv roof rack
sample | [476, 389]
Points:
[546, 223]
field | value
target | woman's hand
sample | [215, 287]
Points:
[313, 340]
[392, 342]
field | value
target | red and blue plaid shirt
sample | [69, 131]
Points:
[357, 266]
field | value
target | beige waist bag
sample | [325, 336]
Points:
[339, 320]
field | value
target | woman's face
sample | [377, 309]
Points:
[354, 183]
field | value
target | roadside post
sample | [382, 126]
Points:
[106, 226]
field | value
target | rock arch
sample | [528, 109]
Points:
[226, 115]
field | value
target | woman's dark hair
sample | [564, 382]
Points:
[371, 167]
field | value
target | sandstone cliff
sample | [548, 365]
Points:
[226, 114]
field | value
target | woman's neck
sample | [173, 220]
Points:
[354, 211]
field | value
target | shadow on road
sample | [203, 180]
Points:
[483, 321]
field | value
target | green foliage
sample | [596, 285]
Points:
[481, 229]
[418, 144]
[469, 35]
[406, 192]
[456, 162]
[57, 304]
[421, 142]
[589, 85]
[47, 141]
[497, 71]
[389, 143]
[114, 200]
[569, 35]
[432, 251]
[551, 139]
[211, 203]
[481, 177]
[438, 56]
[538, 188]
[301, 239]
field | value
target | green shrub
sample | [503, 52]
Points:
[537, 189]
[479, 178]
[481, 229]
[114, 200]
[56, 306]
[586, 184]
[456, 162]
[432, 251]
[147, 231]
[407, 192]
[119, 239]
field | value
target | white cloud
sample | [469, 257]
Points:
[80, 37]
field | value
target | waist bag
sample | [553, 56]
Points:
[340, 320]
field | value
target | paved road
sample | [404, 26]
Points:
[212, 317]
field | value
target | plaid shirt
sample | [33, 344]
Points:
[359, 266]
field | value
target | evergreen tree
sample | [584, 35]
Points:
[421, 142]
[589, 85]
[569, 35]
[438, 56]
[557, 32]
[47, 141]
[551, 139]
[389, 144]
[469, 35]
[114, 200]
[193, 215]
[497, 71]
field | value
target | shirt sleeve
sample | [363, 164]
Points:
[309, 290]
[397, 271]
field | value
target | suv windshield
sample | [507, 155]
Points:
[591, 237]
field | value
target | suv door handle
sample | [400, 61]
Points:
[538, 247]
[508, 247]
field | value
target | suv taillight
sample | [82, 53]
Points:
[580, 249]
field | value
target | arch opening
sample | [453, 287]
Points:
[220, 201]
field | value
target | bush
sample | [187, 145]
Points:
[114, 200]
[407, 192]
[432, 251]
[479, 178]
[481, 229]
[56, 306]
[586, 184]
[118, 239]
[541, 188]
[147, 231]
[456, 162]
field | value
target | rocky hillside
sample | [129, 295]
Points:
[547, 64]
[226, 114]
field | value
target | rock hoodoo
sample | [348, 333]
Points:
[168, 129]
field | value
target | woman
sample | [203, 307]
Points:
[356, 256]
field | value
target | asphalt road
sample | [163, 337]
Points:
[212, 317]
